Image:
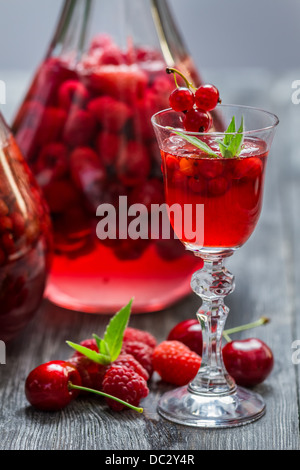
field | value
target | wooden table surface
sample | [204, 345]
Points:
[267, 271]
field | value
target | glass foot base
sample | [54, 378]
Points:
[184, 407]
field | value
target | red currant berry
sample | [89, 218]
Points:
[197, 121]
[207, 97]
[248, 361]
[182, 99]
[46, 386]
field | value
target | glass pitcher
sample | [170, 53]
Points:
[85, 129]
[25, 239]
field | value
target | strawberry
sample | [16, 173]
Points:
[175, 362]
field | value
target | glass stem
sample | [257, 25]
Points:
[212, 283]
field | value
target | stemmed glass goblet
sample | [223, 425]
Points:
[229, 188]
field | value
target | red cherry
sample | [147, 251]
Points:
[182, 99]
[46, 386]
[248, 361]
[207, 97]
[189, 333]
[197, 121]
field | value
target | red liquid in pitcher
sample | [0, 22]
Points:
[230, 189]
[86, 132]
[25, 243]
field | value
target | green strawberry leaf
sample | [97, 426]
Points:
[197, 143]
[113, 336]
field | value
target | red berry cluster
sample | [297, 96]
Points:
[53, 385]
[48, 386]
[194, 104]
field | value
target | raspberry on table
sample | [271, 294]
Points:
[129, 361]
[124, 383]
[175, 362]
[141, 352]
[134, 334]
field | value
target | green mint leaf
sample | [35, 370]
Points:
[113, 336]
[225, 151]
[228, 133]
[90, 354]
[197, 143]
[110, 346]
[236, 141]
[102, 346]
[98, 340]
[232, 142]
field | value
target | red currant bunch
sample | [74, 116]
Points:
[195, 103]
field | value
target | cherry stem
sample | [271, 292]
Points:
[247, 326]
[71, 386]
[174, 71]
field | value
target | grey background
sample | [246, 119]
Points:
[254, 41]
[218, 33]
